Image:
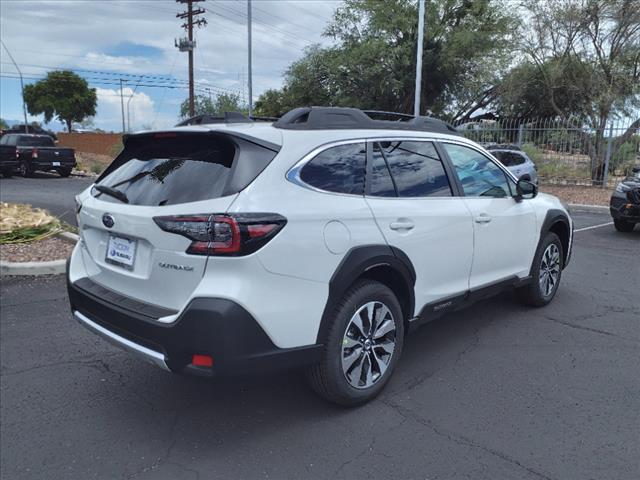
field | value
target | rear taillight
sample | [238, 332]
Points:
[34, 153]
[17, 153]
[221, 234]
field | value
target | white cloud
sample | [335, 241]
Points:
[139, 109]
[79, 35]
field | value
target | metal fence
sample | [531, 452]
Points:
[564, 151]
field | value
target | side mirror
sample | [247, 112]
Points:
[525, 190]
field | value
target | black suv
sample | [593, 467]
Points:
[625, 202]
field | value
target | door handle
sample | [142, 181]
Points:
[401, 225]
[483, 218]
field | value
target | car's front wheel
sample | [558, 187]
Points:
[623, 226]
[545, 273]
[362, 347]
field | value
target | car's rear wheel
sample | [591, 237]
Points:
[26, 170]
[545, 273]
[64, 172]
[362, 347]
[623, 226]
[7, 173]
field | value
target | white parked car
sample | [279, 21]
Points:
[517, 161]
[317, 241]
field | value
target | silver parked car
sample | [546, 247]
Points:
[517, 161]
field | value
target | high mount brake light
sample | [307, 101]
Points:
[224, 235]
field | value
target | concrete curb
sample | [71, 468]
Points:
[53, 267]
[589, 208]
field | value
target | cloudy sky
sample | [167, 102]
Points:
[108, 40]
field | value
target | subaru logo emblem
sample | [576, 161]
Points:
[108, 220]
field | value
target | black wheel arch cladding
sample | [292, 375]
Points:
[371, 261]
[558, 222]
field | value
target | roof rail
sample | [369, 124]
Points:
[336, 118]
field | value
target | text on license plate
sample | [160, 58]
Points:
[121, 251]
[56, 164]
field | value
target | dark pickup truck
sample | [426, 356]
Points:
[28, 153]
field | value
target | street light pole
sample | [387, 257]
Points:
[24, 106]
[416, 105]
[250, 83]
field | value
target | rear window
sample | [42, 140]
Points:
[167, 169]
[509, 159]
[337, 169]
[27, 141]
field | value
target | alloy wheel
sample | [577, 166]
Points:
[549, 270]
[368, 344]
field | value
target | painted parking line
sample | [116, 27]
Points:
[592, 227]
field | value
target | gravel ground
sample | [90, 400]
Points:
[579, 194]
[52, 248]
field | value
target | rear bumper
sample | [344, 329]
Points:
[216, 327]
[48, 165]
[6, 165]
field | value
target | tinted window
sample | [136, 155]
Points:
[3, 140]
[416, 170]
[338, 169]
[509, 159]
[27, 141]
[480, 177]
[169, 169]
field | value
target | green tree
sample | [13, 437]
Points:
[3, 124]
[372, 65]
[203, 104]
[62, 94]
[585, 57]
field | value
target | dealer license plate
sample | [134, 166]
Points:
[121, 251]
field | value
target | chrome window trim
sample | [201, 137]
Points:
[293, 175]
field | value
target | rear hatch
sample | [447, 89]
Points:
[159, 175]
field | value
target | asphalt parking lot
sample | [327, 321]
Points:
[497, 391]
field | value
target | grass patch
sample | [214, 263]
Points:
[21, 223]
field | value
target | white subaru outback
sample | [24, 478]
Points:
[315, 241]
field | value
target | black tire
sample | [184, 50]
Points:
[533, 294]
[7, 173]
[623, 226]
[64, 172]
[327, 378]
[25, 170]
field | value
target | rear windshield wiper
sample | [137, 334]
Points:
[112, 192]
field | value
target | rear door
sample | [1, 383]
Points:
[505, 230]
[161, 175]
[417, 211]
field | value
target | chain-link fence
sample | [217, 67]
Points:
[564, 151]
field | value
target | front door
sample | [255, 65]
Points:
[504, 229]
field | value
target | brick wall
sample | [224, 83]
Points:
[100, 143]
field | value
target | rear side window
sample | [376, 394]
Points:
[167, 168]
[27, 141]
[337, 169]
[509, 159]
[408, 169]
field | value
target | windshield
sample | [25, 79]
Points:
[508, 159]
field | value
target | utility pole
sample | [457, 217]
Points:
[250, 83]
[24, 106]
[122, 106]
[188, 44]
[416, 105]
